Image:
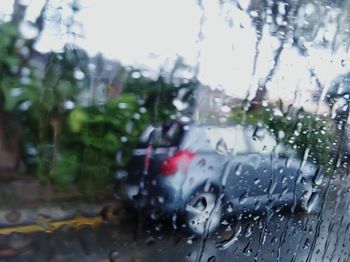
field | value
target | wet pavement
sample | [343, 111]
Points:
[282, 236]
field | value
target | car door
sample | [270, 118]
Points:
[251, 181]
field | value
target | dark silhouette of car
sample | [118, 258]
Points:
[202, 173]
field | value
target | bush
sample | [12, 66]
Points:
[300, 130]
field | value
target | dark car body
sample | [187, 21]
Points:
[241, 165]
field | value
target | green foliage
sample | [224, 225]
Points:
[90, 138]
[76, 144]
[298, 129]
[157, 96]
[64, 172]
[15, 85]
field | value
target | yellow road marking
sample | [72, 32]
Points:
[48, 225]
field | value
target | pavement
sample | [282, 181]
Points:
[283, 236]
[26, 201]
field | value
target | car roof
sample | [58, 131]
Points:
[237, 138]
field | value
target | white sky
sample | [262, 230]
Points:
[152, 33]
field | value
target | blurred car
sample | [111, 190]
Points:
[203, 173]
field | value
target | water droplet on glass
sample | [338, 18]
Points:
[114, 256]
[233, 239]
[238, 170]
[343, 62]
[259, 133]
[202, 162]
[306, 244]
[257, 205]
[313, 202]
[318, 177]
[247, 251]
[249, 230]
[229, 209]
[323, 130]
[221, 147]
[123, 105]
[180, 105]
[243, 197]
[253, 13]
[212, 259]
[150, 240]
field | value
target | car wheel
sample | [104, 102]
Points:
[203, 213]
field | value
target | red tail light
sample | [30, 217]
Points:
[182, 159]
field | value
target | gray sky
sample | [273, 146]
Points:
[151, 34]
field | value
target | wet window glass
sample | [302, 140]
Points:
[187, 130]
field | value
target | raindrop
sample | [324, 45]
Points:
[137, 116]
[221, 147]
[25, 105]
[180, 105]
[217, 100]
[226, 244]
[154, 213]
[114, 256]
[256, 218]
[121, 174]
[247, 251]
[123, 105]
[323, 130]
[69, 105]
[224, 222]
[229, 209]
[274, 240]
[150, 240]
[254, 14]
[135, 75]
[238, 170]
[79, 75]
[174, 219]
[202, 162]
[313, 201]
[212, 259]
[306, 244]
[16, 91]
[284, 192]
[225, 109]
[318, 177]
[190, 241]
[272, 188]
[161, 199]
[259, 133]
[257, 205]
[243, 197]
[228, 228]
[343, 62]
[249, 230]
[284, 180]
